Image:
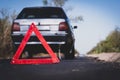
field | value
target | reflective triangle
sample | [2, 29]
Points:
[16, 60]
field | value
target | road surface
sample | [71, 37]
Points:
[78, 69]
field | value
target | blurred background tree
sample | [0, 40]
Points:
[110, 44]
[57, 3]
[5, 30]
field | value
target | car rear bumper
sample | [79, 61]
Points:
[51, 38]
[32, 43]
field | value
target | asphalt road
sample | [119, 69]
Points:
[77, 69]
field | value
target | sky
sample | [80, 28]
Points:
[100, 18]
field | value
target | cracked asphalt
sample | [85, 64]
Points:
[82, 68]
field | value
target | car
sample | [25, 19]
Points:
[52, 23]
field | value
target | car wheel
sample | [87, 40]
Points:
[70, 54]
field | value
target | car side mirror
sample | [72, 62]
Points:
[75, 27]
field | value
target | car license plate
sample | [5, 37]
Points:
[43, 27]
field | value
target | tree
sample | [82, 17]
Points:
[45, 2]
[5, 30]
[57, 3]
[4, 20]
[13, 15]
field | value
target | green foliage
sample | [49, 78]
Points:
[111, 44]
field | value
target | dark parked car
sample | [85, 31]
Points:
[53, 24]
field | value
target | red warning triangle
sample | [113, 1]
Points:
[16, 60]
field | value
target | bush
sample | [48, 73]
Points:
[111, 44]
[5, 37]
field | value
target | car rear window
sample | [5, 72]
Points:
[35, 13]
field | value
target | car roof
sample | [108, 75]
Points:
[42, 7]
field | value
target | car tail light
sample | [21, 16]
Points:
[63, 26]
[16, 27]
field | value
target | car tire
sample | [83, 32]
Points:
[70, 54]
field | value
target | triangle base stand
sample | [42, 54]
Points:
[34, 61]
